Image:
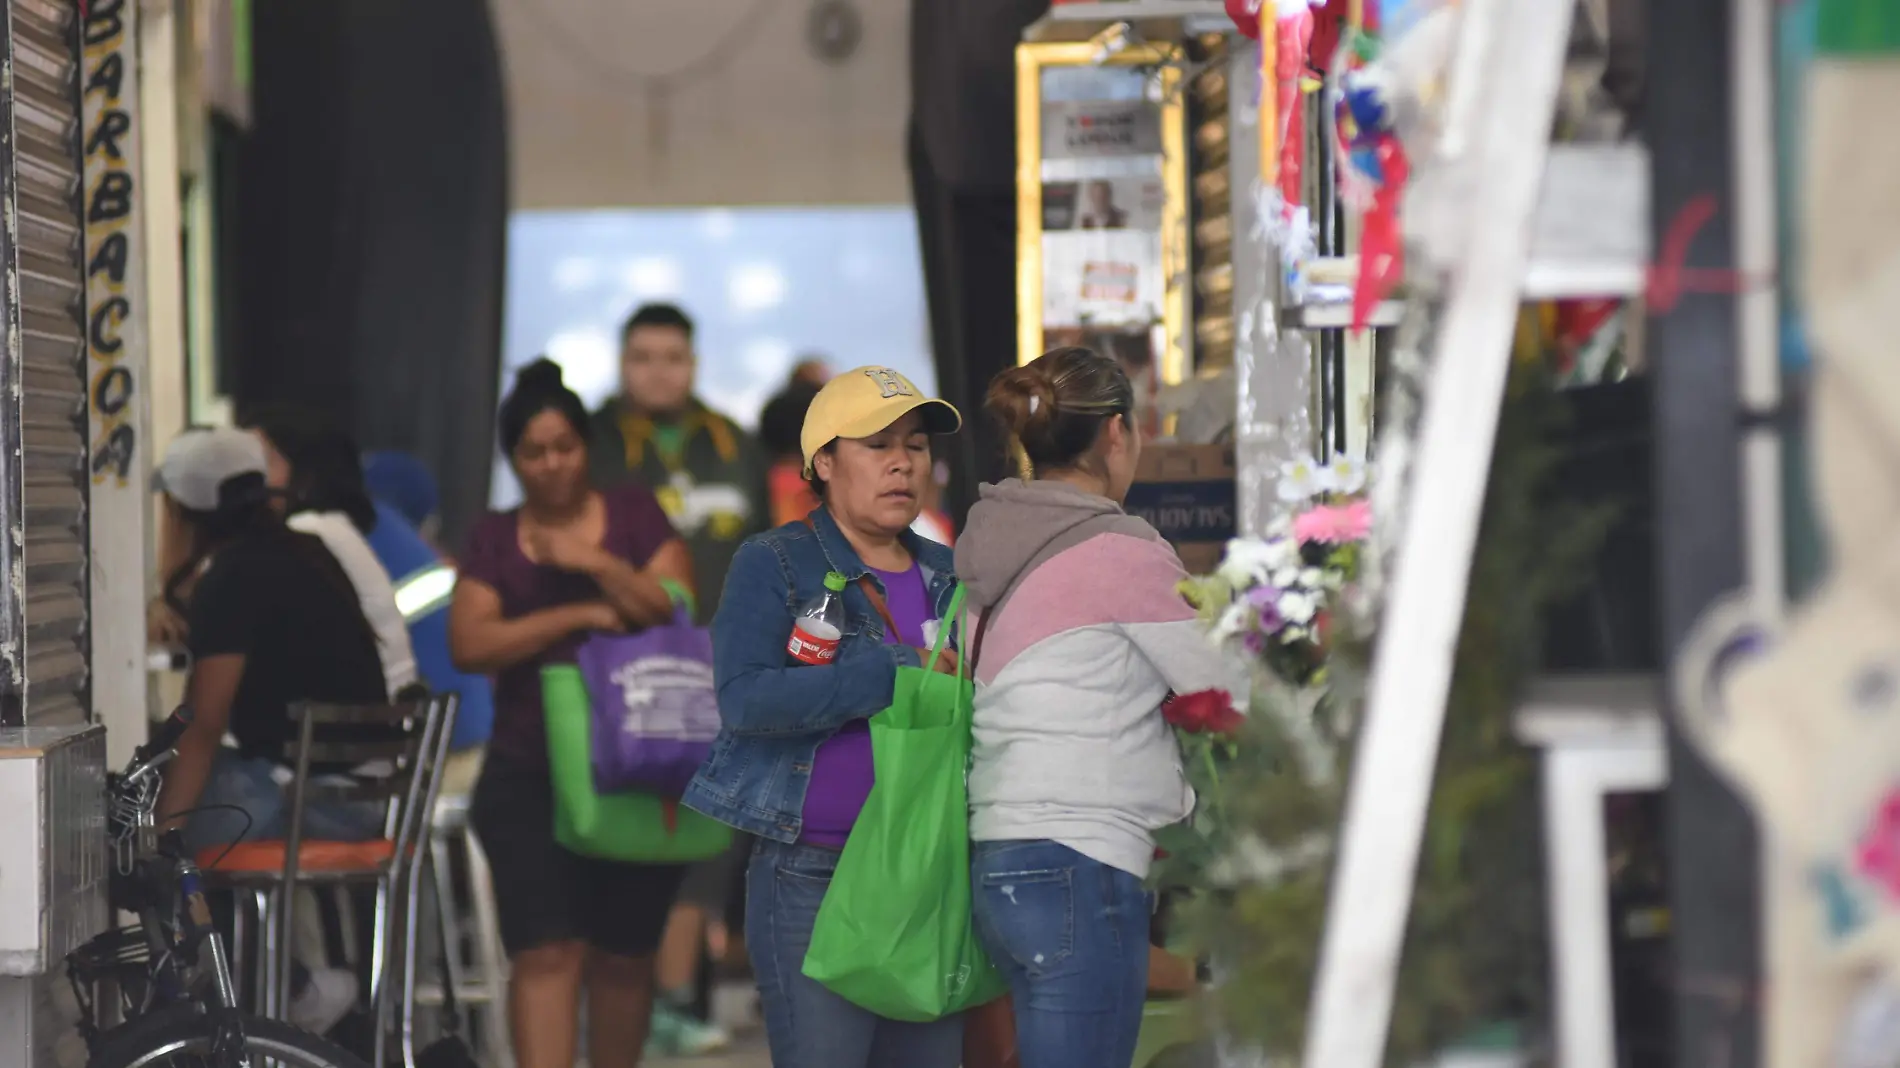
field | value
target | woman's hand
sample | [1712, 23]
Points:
[566, 550]
[482, 641]
[946, 662]
[598, 615]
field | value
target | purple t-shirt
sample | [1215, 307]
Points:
[636, 528]
[841, 773]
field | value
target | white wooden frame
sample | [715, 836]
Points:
[1517, 44]
[1599, 736]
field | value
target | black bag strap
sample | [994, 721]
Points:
[976, 639]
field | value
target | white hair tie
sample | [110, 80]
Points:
[1035, 401]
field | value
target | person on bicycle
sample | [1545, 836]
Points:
[533, 583]
[270, 619]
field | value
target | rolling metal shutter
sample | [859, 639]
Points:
[45, 644]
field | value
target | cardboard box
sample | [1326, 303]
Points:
[1187, 493]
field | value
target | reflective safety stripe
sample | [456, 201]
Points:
[423, 592]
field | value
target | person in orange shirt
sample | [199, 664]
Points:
[779, 424]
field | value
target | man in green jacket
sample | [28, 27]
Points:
[709, 475]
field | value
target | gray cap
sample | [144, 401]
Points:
[199, 462]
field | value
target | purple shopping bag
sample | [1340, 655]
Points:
[655, 712]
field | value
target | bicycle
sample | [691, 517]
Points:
[173, 991]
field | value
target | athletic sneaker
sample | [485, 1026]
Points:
[679, 1034]
[324, 1000]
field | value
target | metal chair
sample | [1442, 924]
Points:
[395, 753]
[487, 989]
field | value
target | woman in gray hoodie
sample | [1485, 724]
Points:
[1080, 635]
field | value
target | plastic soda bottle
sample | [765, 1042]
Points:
[819, 624]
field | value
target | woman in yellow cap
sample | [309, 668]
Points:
[792, 765]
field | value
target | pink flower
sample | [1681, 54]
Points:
[1878, 855]
[1334, 524]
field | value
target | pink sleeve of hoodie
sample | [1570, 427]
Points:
[1108, 580]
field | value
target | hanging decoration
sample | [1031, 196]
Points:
[1246, 16]
[1293, 31]
[1373, 170]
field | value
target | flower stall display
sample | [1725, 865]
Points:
[1299, 607]
[1276, 602]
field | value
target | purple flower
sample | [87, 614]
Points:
[1265, 601]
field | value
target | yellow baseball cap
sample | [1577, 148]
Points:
[864, 400]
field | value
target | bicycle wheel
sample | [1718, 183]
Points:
[184, 1040]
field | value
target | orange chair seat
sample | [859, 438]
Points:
[313, 858]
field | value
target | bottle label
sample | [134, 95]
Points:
[813, 641]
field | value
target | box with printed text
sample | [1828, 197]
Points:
[1187, 493]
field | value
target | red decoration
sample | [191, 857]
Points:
[1579, 320]
[1294, 37]
[1203, 712]
[1246, 16]
[1878, 855]
[1381, 245]
[1328, 23]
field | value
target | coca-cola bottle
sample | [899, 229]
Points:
[819, 624]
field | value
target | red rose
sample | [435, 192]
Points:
[1204, 712]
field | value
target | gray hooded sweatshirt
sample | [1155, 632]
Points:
[1083, 633]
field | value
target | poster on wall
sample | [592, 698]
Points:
[1115, 203]
[1101, 278]
[1100, 129]
[1103, 205]
[1101, 243]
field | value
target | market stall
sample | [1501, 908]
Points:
[1319, 232]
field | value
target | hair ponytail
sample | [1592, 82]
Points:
[538, 388]
[1055, 406]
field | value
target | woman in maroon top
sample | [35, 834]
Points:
[534, 582]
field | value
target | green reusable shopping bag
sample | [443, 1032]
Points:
[894, 934]
[637, 828]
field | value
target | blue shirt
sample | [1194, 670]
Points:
[424, 583]
[774, 713]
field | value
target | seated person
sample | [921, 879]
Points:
[270, 619]
[316, 479]
[399, 481]
[425, 583]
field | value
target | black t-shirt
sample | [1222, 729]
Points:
[280, 600]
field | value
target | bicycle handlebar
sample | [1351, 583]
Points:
[168, 734]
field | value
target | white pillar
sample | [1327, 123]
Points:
[166, 374]
[116, 373]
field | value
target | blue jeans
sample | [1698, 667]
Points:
[1072, 936]
[241, 801]
[806, 1024]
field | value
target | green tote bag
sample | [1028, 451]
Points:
[632, 827]
[894, 934]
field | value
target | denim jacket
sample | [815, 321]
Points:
[775, 713]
